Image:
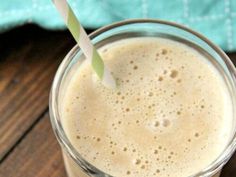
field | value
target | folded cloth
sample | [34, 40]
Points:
[216, 19]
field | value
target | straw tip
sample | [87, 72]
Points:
[108, 82]
[111, 84]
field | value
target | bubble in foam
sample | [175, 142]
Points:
[125, 149]
[160, 78]
[150, 94]
[164, 51]
[135, 67]
[173, 74]
[196, 135]
[156, 124]
[143, 167]
[127, 109]
[137, 161]
[178, 112]
[128, 172]
[165, 123]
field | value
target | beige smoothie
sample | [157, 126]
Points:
[170, 115]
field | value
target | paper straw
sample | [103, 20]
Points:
[84, 42]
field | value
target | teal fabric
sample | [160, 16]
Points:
[216, 19]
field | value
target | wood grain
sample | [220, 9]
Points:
[38, 154]
[230, 168]
[232, 57]
[26, 74]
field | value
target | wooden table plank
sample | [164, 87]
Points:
[230, 168]
[9, 67]
[26, 75]
[38, 154]
[232, 57]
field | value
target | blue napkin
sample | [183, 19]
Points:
[216, 19]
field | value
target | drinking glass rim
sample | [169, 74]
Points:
[53, 105]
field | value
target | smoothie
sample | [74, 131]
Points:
[170, 116]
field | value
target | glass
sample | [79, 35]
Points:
[75, 165]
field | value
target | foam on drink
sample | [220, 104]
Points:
[171, 114]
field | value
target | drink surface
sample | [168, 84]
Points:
[169, 116]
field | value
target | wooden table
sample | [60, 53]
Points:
[29, 57]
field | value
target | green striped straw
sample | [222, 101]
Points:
[84, 42]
